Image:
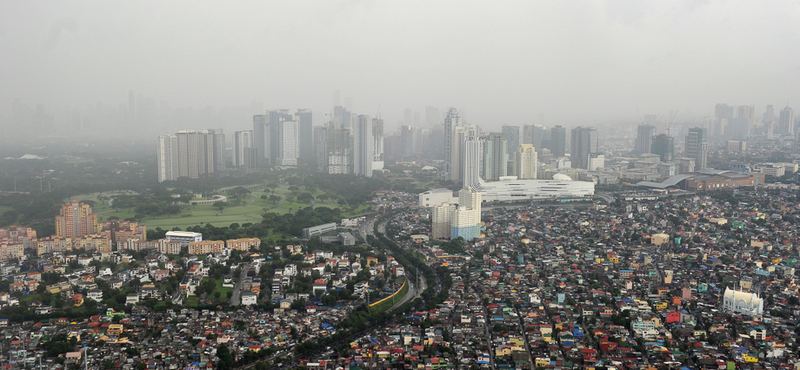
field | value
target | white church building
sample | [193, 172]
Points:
[742, 302]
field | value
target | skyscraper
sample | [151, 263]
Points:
[786, 121]
[722, 110]
[466, 219]
[526, 162]
[512, 137]
[218, 142]
[743, 121]
[190, 154]
[243, 150]
[644, 139]
[664, 146]
[363, 143]
[321, 136]
[341, 117]
[261, 139]
[495, 156]
[583, 143]
[76, 220]
[305, 133]
[340, 153]
[533, 134]
[286, 154]
[769, 114]
[473, 150]
[458, 151]
[697, 147]
[558, 141]
[441, 220]
[274, 117]
[377, 142]
[167, 157]
[450, 121]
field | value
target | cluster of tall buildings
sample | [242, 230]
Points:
[696, 146]
[739, 122]
[347, 144]
[190, 154]
[279, 138]
[511, 152]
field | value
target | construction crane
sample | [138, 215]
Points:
[671, 120]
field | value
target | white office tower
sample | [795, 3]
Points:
[377, 144]
[466, 219]
[287, 145]
[451, 121]
[167, 156]
[526, 163]
[473, 149]
[440, 218]
[495, 156]
[362, 146]
[243, 149]
[457, 150]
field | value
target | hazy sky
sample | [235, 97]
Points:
[504, 62]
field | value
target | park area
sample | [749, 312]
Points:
[242, 206]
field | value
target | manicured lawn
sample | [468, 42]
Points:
[207, 214]
[192, 301]
[222, 292]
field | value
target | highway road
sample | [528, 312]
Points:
[414, 291]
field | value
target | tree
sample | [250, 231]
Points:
[225, 357]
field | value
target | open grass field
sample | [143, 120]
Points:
[250, 209]
[223, 292]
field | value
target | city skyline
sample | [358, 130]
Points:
[184, 62]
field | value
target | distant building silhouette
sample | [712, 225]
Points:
[584, 143]
[558, 141]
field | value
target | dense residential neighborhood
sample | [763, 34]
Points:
[657, 281]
